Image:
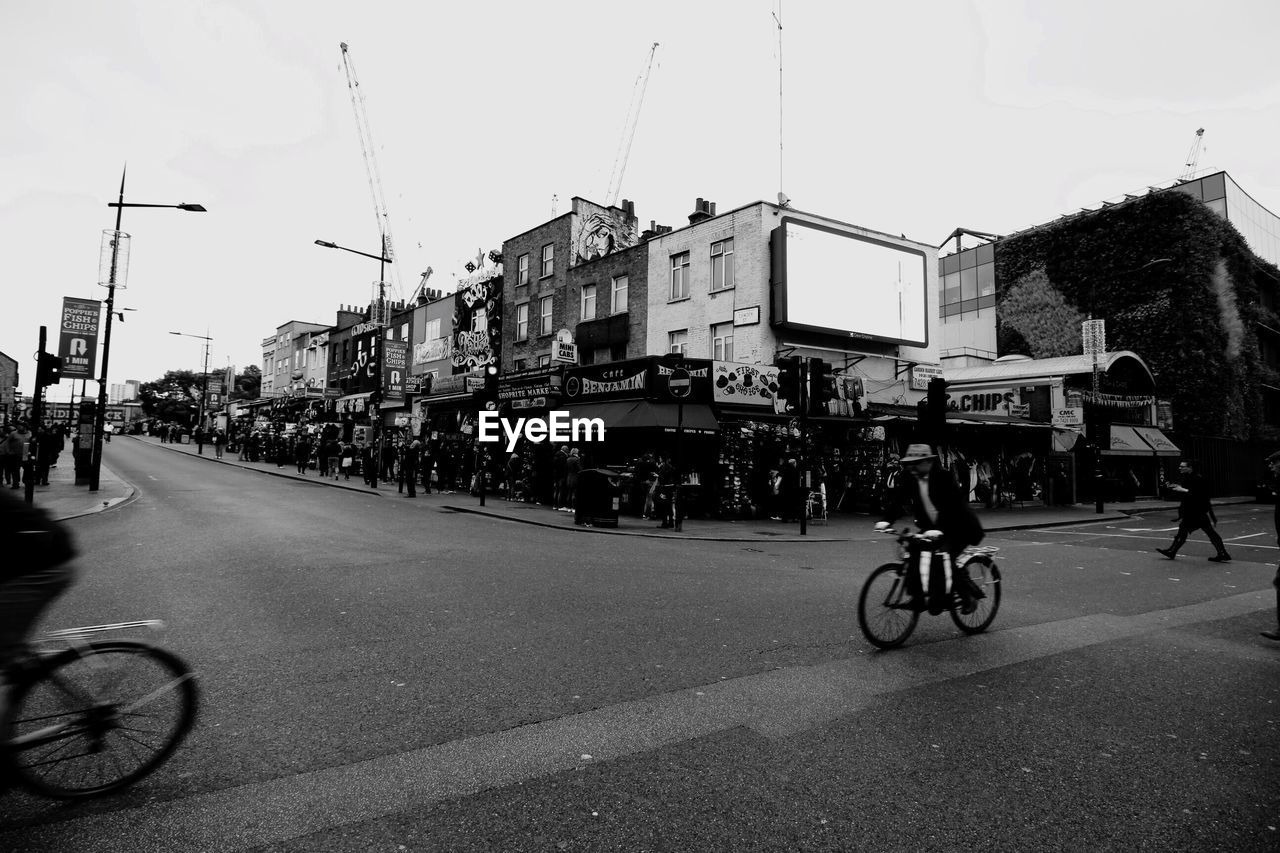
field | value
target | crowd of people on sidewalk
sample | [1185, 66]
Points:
[20, 444]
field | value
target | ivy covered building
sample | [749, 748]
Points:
[1185, 276]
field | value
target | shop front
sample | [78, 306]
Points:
[644, 421]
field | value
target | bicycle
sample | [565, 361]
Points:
[88, 716]
[888, 610]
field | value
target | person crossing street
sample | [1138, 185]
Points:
[1195, 512]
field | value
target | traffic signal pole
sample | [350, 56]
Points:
[37, 407]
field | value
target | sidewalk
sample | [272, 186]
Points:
[839, 528]
[63, 499]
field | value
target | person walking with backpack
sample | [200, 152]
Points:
[1195, 513]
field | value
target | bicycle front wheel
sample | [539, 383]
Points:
[985, 575]
[885, 610]
[96, 719]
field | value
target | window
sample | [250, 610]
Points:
[548, 259]
[618, 300]
[433, 330]
[521, 363]
[678, 342]
[544, 311]
[522, 270]
[680, 276]
[544, 360]
[722, 265]
[588, 302]
[522, 322]
[722, 342]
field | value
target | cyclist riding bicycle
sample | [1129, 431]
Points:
[36, 569]
[930, 495]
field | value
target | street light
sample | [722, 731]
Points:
[204, 389]
[100, 417]
[375, 417]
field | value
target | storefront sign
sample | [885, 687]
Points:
[437, 350]
[922, 373]
[627, 379]
[1068, 416]
[565, 352]
[537, 384]
[985, 402]
[78, 337]
[744, 384]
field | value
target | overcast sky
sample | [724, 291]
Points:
[910, 118]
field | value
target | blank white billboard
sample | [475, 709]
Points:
[832, 281]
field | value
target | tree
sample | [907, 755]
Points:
[170, 397]
[248, 384]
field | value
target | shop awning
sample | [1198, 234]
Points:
[639, 414]
[1160, 443]
[1125, 442]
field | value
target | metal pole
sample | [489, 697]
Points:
[1097, 441]
[804, 437]
[28, 465]
[677, 510]
[100, 416]
[204, 393]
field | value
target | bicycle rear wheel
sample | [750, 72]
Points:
[984, 574]
[92, 720]
[885, 610]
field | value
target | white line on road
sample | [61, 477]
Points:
[1147, 538]
[777, 704]
[1246, 536]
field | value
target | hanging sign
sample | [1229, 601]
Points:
[78, 337]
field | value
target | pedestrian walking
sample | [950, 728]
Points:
[302, 454]
[347, 460]
[572, 468]
[426, 463]
[409, 467]
[1274, 461]
[8, 460]
[219, 442]
[369, 459]
[1195, 512]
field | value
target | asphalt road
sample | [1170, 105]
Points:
[378, 674]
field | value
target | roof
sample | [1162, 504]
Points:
[1038, 368]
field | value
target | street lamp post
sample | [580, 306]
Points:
[100, 416]
[375, 417]
[1094, 337]
[204, 389]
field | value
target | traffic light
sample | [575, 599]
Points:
[789, 382]
[487, 396]
[821, 387]
[48, 370]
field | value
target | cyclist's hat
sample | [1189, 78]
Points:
[917, 453]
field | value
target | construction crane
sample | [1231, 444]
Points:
[628, 131]
[1193, 156]
[369, 151]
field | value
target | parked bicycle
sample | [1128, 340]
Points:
[888, 609]
[88, 716]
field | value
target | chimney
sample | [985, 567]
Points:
[702, 210]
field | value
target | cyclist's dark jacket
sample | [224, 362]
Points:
[23, 552]
[956, 521]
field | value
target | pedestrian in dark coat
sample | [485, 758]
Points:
[369, 460]
[302, 454]
[1274, 461]
[1195, 512]
[409, 467]
[559, 466]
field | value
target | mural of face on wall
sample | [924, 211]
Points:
[601, 234]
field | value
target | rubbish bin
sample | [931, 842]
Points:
[599, 495]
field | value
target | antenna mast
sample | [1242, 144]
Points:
[777, 17]
[369, 151]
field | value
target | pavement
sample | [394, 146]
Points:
[66, 500]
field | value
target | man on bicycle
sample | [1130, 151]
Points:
[930, 495]
[35, 570]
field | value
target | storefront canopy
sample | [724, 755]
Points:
[639, 414]
[1160, 443]
[1139, 441]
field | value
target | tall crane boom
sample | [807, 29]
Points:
[369, 151]
[1193, 157]
[629, 131]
